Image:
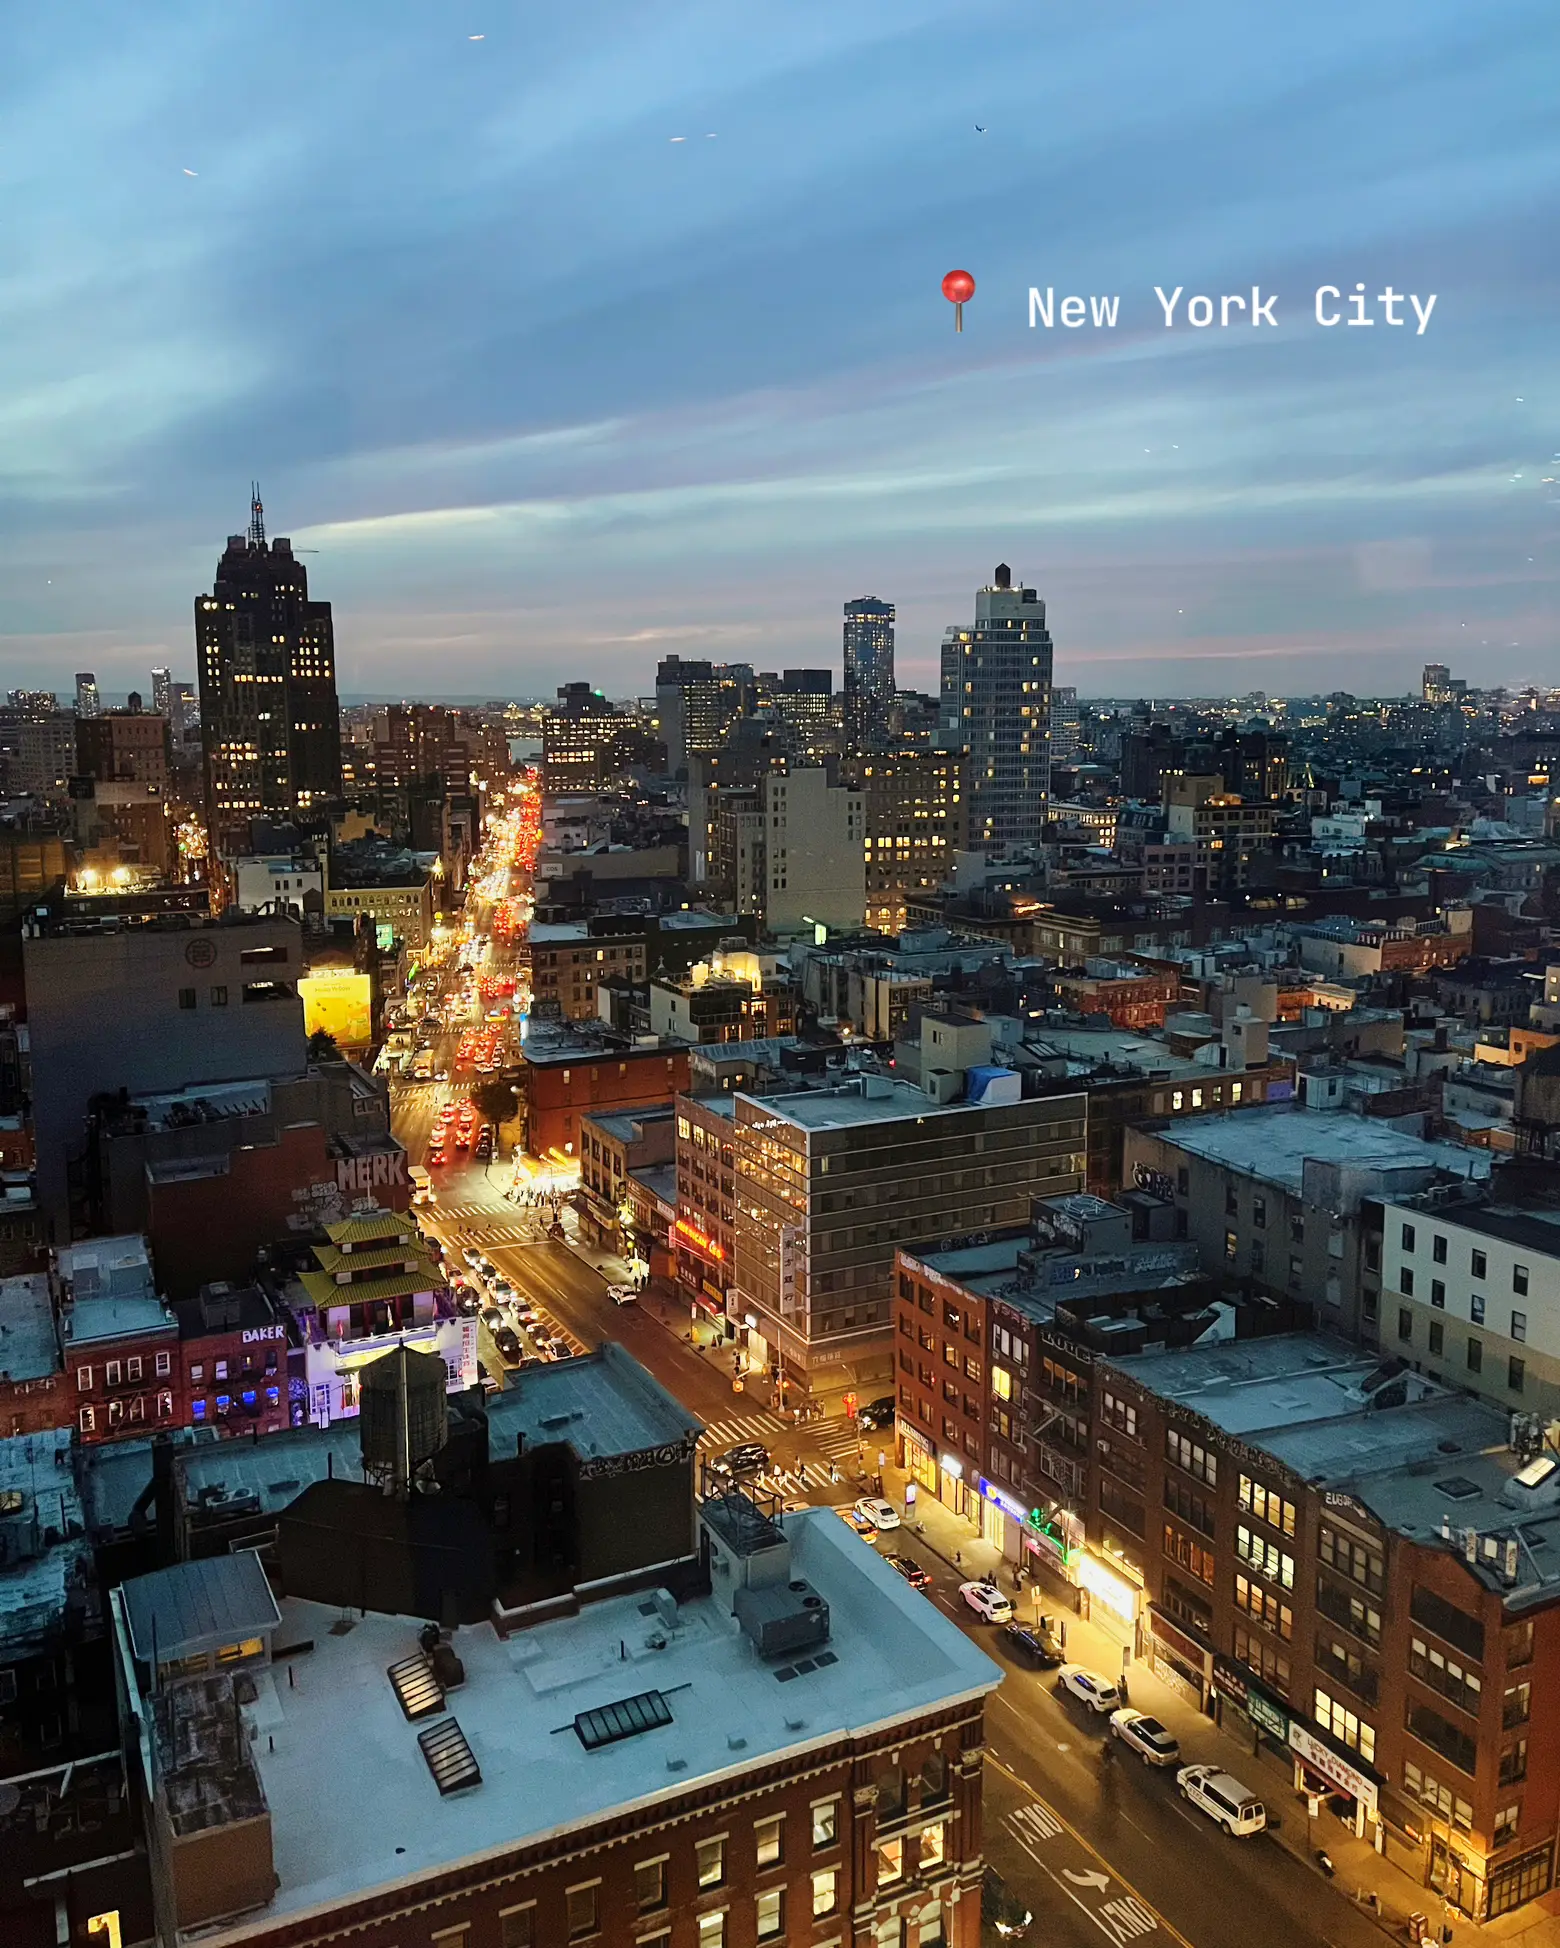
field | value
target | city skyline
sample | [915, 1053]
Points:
[515, 372]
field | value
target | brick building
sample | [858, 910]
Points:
[706, 1184]
[569, 958]
[119, 1338]
[566, 1079]
[32, 1376]
[232, 1360]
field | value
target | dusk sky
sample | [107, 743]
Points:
[553, 393]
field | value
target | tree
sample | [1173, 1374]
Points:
[322, 1046]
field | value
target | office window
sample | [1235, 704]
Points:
[1408, 1237]
[1345, 1725]
[1519, 1325]
[770, 1909]
[186, 997]
[1405, 1323]
[890, 1861]
[1438, 1248]
[826, 1823]
[1478, 1264]
[1476, 1309]
[1438, 1293]
[711, 1858]
[650, 1885]
[219, 997]
[769, 1840]
[1519, 1280]
[1437, 1337]
[712, 1930]
[1475, 1356]
[825, 1891]
[517, 1927]
[934, 1845]
[1516, 1374]
[1506, 1822]
[1406, 1281]
[582, 1906]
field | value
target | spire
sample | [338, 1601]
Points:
[256, 516]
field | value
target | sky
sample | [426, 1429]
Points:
[571, 337]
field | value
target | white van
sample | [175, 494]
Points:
[1223, 1798]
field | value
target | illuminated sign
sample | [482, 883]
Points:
[699, 1240]
[1105, 1586]
[1003, 1500]
[338, 1000]
[253, 1335]
[1050, 1534]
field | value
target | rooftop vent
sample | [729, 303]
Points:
[1458, 1488]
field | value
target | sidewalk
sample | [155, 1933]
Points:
[1359, 1871]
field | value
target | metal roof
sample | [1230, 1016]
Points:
[197, 1606]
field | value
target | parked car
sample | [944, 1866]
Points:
[1034, 1645]
[746, 1458]
[877, 1414]
[881, 1514]
[987, 1601]
[1223, 1798]
[913, 1573]
[1145, 1736]
[508, 1343]
[492, 1318]
[622, 1295]
[472, 1256]
[1088, 1688]
[859, 1522]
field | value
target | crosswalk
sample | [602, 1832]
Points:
[492, 1234]
[834, 1439]
[767, 1428]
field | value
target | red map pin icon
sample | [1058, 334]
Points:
[958, 287]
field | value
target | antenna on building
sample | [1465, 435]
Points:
[256, 515]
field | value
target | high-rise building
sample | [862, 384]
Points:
[791, 851]
[1066, 725]
[914, 813]
[162, 690]
[266, 660]
[89, 699]
[697, 703]
[580, 751]
[869, 673]
[996, 698]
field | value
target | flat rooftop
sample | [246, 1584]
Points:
[28, 1348]
[1272, 1142]
[37, 1575]
[895, 1656]
[846, 1107]
[621, 1124]
[1420, 1458]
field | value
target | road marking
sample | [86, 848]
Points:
[1093, 1878]
[1037, 1820]
[1115, 1917]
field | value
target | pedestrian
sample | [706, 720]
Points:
[958, 1558]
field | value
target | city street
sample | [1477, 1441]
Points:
[1098, 1849]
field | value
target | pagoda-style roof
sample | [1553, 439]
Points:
[372, 1227]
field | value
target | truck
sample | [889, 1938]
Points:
[422, 1185]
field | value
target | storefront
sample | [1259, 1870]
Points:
[1003, 1517]
[1056, 1541]
[1180, 1661]
[952, 1489]
[917, 1457]
[1244, 1710]
[1323, 1773]
[1113, 1599]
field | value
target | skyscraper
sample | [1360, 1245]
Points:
[869, 673]
[89, 701]
[162, 691]
[266, 662]
[996, 707]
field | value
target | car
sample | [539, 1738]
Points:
[463, 1137]
[492, 1318]
[526, 1314]
[987, 1601]
[1145, 1736]
[877, 1415]
[1223, 1798]
[913, 1573]
[1033, 1644]
[1002, 1913]
[858, 1522]
[472, 1256]
[505, 1339]
[622, 1295]
[746, 1458]
[437, 1159]
[502, 1290]
[1098, 1693]
[881, 1514]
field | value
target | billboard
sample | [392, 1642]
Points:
[339, 1000]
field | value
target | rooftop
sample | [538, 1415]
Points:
[1434, 1466]
[1273, 1142]
[848, 1106]
[43, 1556]
[720, 1711]
[623, 1126]
[196, 1607]
[28, 1348]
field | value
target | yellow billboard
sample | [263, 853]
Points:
[339, 1000]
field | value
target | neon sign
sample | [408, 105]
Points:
[700, 1240]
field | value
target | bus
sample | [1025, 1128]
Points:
[422, 1185]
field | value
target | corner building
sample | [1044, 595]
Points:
[996, 708]
[1352, 1569]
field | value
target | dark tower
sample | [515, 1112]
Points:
[266, 660]
[869, 674]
